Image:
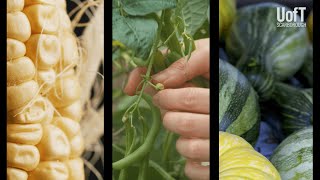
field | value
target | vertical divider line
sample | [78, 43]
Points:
[3, 92]
[214, 89]
[316, 86]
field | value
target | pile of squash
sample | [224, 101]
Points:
[262, 65]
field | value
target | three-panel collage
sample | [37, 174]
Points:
[196, 90]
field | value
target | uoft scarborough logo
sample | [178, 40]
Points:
[287, 18]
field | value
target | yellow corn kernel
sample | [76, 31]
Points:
[30, 134]
[76, 169]
[39, 111]
[68, 126]
[54, 144]
[15, 5]
[47, 79]
[73, 111]
[50, 114]
[32, 2]
[66, 91]
[20, 95]
[24, 157]
[70, 54]
[50, 170]
[77, 146]
[44, 50]
[43, 18]
[15, 49]
[65, 23]
[16, 174]
[20, 70]
[18, 26]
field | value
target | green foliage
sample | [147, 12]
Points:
[144, 7]
[137, 33]
[194, 13]
[141, 29]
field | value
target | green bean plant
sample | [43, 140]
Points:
[151, 34]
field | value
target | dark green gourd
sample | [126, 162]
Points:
[264, 52]
[296, 107]
[239, 111]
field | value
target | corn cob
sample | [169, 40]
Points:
[44, 139]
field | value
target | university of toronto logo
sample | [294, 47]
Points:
[291, 18]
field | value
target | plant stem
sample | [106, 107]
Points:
[166, 148]
[151, 58]
[131, 141]
[153, 164]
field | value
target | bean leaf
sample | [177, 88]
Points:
[144, 7]
[194, 13]
[137, 33]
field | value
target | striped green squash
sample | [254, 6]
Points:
[264, 52]
[296, 107]
[239, 111]
[227, 12]
[293, 158]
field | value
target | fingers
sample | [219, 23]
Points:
[195, 149]
[197, 172]
[188, 84]
[187, 124]
[182, 70]
[207, 75]
[202, 43]
[134, 80]
[178, 73]
[191, 99]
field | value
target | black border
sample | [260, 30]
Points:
[3, 92]
[316, 87]
[108, 82]
[214, 89]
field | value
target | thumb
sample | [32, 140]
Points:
[182, 70]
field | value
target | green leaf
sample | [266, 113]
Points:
[202, 32]
[193, 12]
[137, 33]
[144, 7]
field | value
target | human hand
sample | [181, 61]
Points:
[185, 108]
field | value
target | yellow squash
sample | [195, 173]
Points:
[227, 12]
[238, 160]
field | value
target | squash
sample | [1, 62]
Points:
[227, 12]
[264, 52]
[296, 107]
[239, 111]
[293, 158]
[238, 160]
